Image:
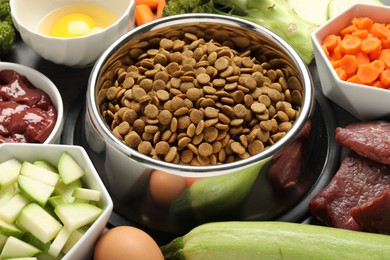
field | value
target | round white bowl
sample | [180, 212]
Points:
[51, 153]
[42, 82]
[79, 51]
[364, 102]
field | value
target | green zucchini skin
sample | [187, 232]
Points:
[275, 240]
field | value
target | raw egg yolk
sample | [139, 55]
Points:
[73, 25]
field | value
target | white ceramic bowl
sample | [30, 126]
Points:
[79, 51]
[364, 102]
[51, 152]
[42, 82]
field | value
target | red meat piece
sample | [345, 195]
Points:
[370, 139]
[285, 168]
[358, 181]
[374, 215]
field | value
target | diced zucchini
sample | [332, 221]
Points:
[9, 171]
[69, 169]
[10, 229]
[77, 200]
[37, 221]
[6, 194]
[87, 194]
[10, 211]
[35, 190]
[39, 173]
[32, 240]
[3, 238]
[73, 238]
[76, 215]
[15, 247]
[59, 242]
[23, 258]
[57, 200]
[46, 165]
[47, 256]
[67, 189]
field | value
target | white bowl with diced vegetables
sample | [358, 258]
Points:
[365, 100]
[52, 202]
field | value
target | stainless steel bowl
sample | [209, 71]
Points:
[220, 189]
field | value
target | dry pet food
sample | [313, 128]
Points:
[188, 97]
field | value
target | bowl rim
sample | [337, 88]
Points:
[28, 71]
[188, 170]
[120, 19]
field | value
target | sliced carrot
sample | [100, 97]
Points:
[349, 64]
[385, 57]
[348, 30]
[380, 65]
[380, 31]
[354, 79]
[325, 50]
[143, 14]
[337, 54]
[375, 55]
[160, 8]
[371, 44]
[367, 73]
[384, 77]
[363, 23]
[151, 3]
[385, 43]
[377, 84]
[362, 34]
[350, 45]
[341, 73]
[360, 52]
[331, 41]
[335, 63]
[362, 57]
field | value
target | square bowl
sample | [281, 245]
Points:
[42, 82]
[51, 153]
[362, 101]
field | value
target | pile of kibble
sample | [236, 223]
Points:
[197, 102]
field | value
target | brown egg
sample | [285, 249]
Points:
[126, 242]
[166, 187]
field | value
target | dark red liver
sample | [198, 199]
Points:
[358, 181]
[26, 112]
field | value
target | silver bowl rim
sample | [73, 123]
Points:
[211, 170]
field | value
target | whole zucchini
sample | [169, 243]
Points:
[275, 240]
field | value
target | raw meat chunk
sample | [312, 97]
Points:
[286, 167]
[358, 181]
[370, 139]
[374, 215]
